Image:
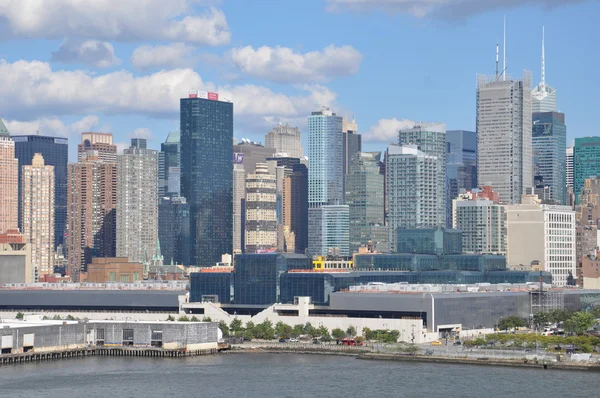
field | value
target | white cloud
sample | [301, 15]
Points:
[90, 52]
[30, 90]
[121, 20]
[173, 55]
[141, 132]
[386, 130]
[282, 64]
[52, 126]
[441, 8]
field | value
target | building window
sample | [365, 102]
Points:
[127, 337]
[112, 277]
[156, 339]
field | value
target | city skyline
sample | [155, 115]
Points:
[343, 72]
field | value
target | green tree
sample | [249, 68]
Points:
[183, 318]
[323, 333]
[264, 330]
[310, 330]
[369, 334]
[360, 339]
[558, 315]
[579, 323]
[194, 319]
[283, 330]
[206, 319]
[351, 331]
[248, 335]
[236, 326]
[338, 333]
[250, 328]
[511, 322]
[595, 312]
[541, 319]
[20, 316]
[224, 328]
[298, 330]
[169, 318]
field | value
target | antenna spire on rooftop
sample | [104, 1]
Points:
[543, 61]
[504, 50]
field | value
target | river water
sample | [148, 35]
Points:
[283, 375]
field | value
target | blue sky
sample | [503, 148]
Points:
[120, 67]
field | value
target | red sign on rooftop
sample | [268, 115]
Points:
[213, 96]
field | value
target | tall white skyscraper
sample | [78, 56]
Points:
[137, 202]
[570, 167]
[239, 217]
[9, 182]
[504, 142]
[37, 184]
[285, 139]
[261, 211]
[328, 222]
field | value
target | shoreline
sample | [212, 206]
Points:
[369, 356]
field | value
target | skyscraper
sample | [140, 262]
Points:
[207, 174]
[37, 186]
[364, 197]
[101, 143]
[329, 231]
[325, 153]
[569, 167]
[54, 150]
[239, 215]
[504, 150]
[351, 142]
[543, 96]
[461, 164]
[174, 230]
[414, 197]
[430, 138]
[91, 215]
[137, 201]
[9, 182]
[261, 211]
[586, 162]
[327, 216]
[169, 170]
[285, 139]
[483, 225]
[549, 145]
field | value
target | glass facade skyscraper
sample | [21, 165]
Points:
[364, 197]
[169, 166]
[586, 162]
[207, 174]
[54, 150]
[329, 231]
[461, 164]
[325, 153]
[174, 230]
[549, 146]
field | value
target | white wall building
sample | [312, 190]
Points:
[544, 233]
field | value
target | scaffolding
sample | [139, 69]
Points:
[546, 300]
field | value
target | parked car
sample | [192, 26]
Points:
[284, 340]
[293, 340]
[457, 342]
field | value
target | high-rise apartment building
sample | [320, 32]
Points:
[544, 234]
[261, 211]
[461, 164]
[414, 197]
[169, 170]
[174, 230]
[239, 215]
[504, 150]
[328, 227]
[364, 197]
[351, 142]
[207, 174]
[137, 202]
[91, 215]
[54, 150]
[586, 162]
[483, 225]
[37, 187]
[285, 140]
[9, 181]
[325, 153]
[101, 144]
[569, 167]
[549, 145]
